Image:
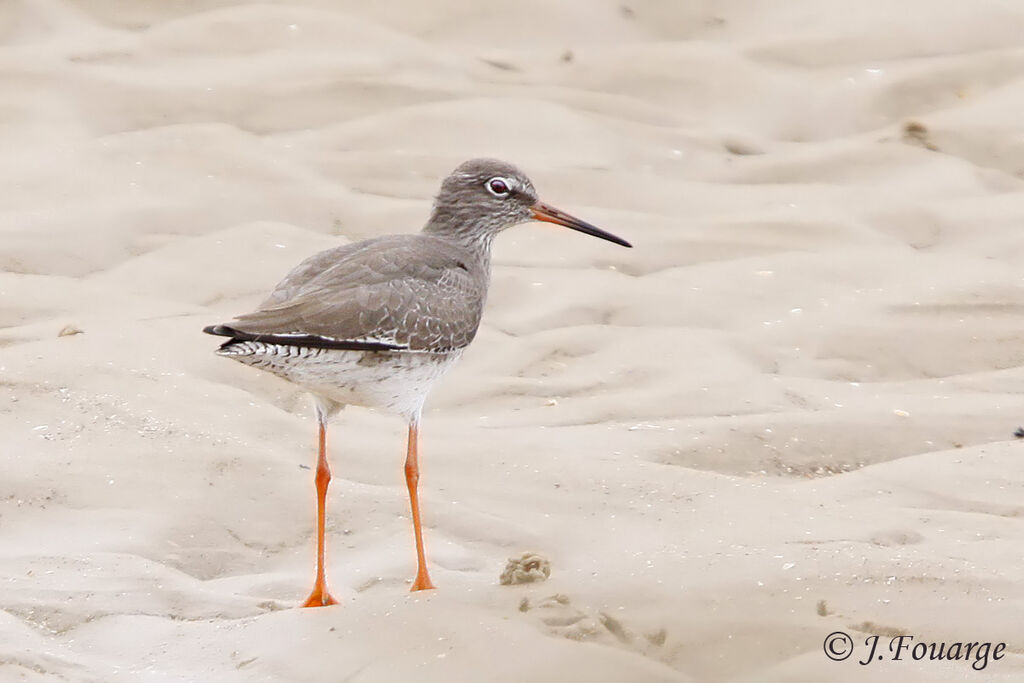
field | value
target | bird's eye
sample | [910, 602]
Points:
[499, 187]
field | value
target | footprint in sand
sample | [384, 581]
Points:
[562, 618]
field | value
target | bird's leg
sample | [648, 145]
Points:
[320, 597]
[412, 478]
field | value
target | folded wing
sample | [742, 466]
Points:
[403, 293]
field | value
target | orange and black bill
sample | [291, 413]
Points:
[549, 214]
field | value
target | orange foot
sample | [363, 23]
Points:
[422, 583]
[319, 598]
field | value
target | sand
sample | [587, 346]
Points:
[788, 411]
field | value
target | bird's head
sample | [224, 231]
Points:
[482, 197]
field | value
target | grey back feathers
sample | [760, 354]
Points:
[404, 292]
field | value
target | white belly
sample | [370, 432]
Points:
[390, 380]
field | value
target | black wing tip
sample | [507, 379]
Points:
[219, 330]
[308, 340]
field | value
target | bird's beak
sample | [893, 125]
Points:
[549, 214]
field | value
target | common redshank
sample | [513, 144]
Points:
[377, 322]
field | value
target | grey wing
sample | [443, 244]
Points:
[306, 274]
[391, 296]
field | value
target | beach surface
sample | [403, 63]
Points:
[788, 411]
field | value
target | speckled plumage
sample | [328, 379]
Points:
[413, 300]
[410, 292]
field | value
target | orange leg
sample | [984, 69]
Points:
[320, 597]
[412, 478]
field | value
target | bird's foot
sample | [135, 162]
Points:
[422, 582]
[319, 598]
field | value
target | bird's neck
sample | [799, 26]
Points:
[463, 232]
[479, 251]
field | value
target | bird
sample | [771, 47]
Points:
[376, 323]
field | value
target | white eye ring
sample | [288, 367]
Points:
[499, 187]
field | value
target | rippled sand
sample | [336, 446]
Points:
[788, 411]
